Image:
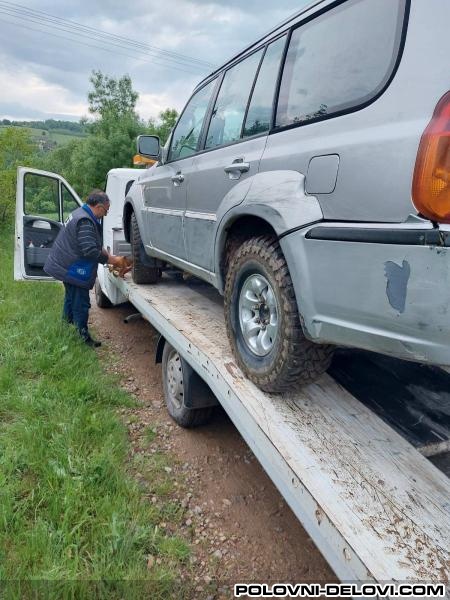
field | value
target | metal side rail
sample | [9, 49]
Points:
[375, 507]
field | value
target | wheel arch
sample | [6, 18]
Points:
[235, 230]
[128, 210]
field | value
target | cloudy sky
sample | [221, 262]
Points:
[48, 49]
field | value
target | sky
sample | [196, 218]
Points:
[48, 50]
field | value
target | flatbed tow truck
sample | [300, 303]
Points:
[361, 456]
[376, 508]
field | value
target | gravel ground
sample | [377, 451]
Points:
[238, 524]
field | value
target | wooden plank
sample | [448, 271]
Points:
[412, 398]
[390, 505]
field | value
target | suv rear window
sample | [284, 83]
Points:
[229, 109]
[340, 59]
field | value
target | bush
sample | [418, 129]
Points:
[15, 149]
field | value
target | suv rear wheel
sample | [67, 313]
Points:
[262, 320]
[140, 272]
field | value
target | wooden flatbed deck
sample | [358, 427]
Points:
[376, 508]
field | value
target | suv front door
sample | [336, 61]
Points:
[164, 189]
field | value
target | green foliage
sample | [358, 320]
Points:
[49, 125]
[83, 161]
[167, 120]
[15, 149]
[73, 521]
[113, 97]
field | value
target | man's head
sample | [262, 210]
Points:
[99, 203]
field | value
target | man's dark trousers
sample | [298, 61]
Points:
[76, 308]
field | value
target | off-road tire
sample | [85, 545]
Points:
[140, 272]
[101, 299]
[293, 360]
[185, 417]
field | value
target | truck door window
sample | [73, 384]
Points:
[231, 103]
[259, 115]
[41, 196]
[69, 204]
[187, 131]
[340, 60]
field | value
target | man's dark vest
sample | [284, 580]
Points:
[65, 261]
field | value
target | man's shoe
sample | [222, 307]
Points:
[92, 343]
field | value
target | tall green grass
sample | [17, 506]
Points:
[73, 523]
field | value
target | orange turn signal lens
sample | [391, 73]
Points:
[142, 161]
[431, 182]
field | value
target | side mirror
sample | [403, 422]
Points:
[149, 146]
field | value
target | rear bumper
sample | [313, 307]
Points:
[362, 287]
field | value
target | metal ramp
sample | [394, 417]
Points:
[376, 508]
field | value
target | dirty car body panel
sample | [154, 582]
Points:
[332, 175]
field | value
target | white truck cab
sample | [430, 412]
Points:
[44, 201]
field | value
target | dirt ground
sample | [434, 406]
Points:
[239, 525]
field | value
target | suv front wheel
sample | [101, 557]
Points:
[262, 320]
[140, 272]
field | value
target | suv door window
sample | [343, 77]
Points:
[186, 134]
[231, 103]
[259, 115]
[340, 60]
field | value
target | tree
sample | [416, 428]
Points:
[167, 120]
[15, 149]
[111, 96]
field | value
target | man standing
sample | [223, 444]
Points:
[74, 259]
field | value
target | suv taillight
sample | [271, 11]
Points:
[431, 182]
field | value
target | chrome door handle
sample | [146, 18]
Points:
[238, 165]
[178, 178]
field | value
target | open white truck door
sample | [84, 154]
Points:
[44, 201]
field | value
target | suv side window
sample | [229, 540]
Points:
[231, 103]
[186, 134]
[259, 115]
[340, 60]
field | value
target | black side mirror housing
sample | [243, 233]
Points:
[149, 146]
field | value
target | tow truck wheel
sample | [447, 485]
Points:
[183, 389]
[263, 323]
[140, 272]
[101, 299]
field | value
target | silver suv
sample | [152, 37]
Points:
[308, 180]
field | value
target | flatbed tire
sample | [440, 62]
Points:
[101, 299]
[183, 416]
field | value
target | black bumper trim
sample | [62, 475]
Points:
[404, 237]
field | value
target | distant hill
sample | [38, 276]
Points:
[49, 124]
[50, 133]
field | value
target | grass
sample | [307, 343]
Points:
[73, 522]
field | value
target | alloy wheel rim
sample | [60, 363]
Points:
[258, 314]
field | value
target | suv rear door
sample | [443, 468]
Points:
[44, 201]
